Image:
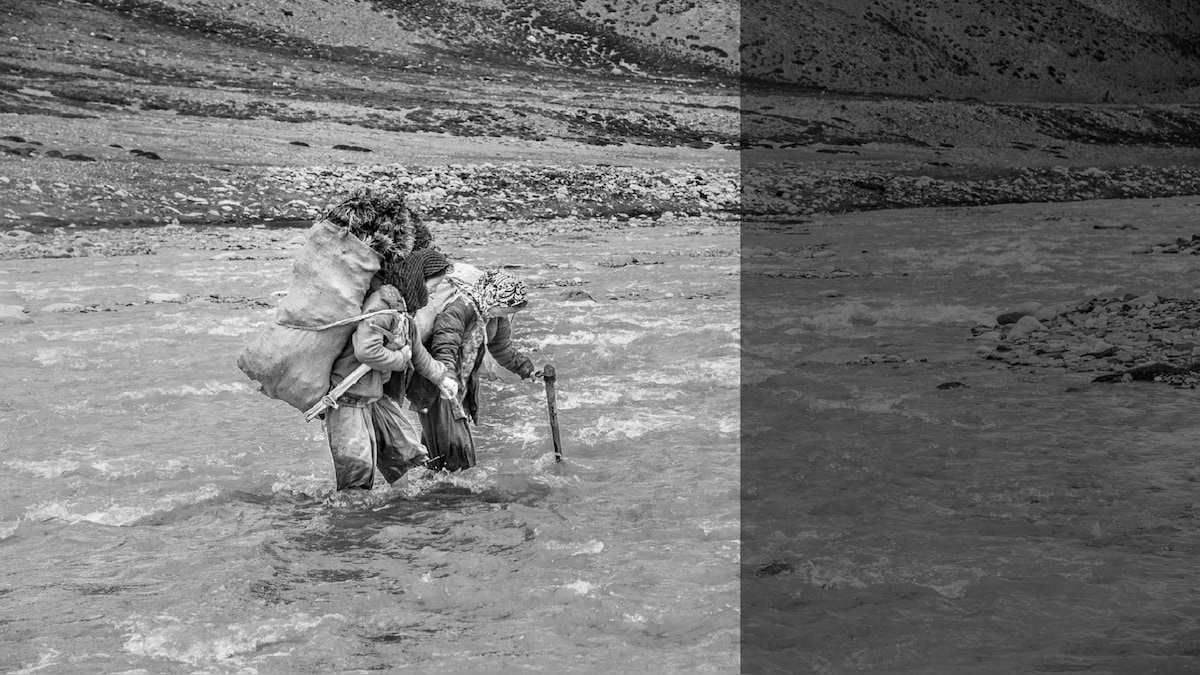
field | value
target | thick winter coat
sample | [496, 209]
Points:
[450, 331]
[459, 277]
[374, 348]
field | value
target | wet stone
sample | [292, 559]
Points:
[1009, 318]
[773, 568]
[61, 307]
[1025, 325]
[617, 261]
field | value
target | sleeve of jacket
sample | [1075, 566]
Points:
[422, 361]
[370, 345]
[505, 352]
[445, 344]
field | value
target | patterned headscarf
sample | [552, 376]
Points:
[496, 289]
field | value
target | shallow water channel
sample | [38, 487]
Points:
[1027, 522]
[159, 515]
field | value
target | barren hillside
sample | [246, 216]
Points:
[1016, 50]
[484, 69]
[1046, 50]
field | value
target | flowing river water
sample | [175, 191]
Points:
[1027, 522]
[159, 515]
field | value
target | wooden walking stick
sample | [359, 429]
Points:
[548, 376]
[330, 400]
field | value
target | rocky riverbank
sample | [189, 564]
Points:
[260, 241]
[782, 189]
[1131, 337]
[39, 195]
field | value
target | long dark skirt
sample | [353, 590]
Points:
[448, 439]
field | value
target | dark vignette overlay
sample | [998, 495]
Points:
[847, 563]
[769, 629]
[926, 488]
[772, 432]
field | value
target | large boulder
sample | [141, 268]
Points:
[1024, 326]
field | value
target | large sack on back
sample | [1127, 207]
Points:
[292, 358]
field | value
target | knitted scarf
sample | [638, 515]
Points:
[408, 274]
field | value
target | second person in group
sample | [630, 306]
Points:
[473, 324]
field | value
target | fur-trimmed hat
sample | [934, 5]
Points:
[382, 220]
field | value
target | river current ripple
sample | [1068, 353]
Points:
[159, 515]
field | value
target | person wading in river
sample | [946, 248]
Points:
[459, 277]
[367, 430]
[469, 326]
[420, 275]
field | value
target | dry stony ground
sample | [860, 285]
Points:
[122, 132]
[39, 195]
[120, 113]
[472, 191]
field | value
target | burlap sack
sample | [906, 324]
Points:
[292, 358]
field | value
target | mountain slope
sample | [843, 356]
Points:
[524, 71]
[537, 33]
[1048, 50]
